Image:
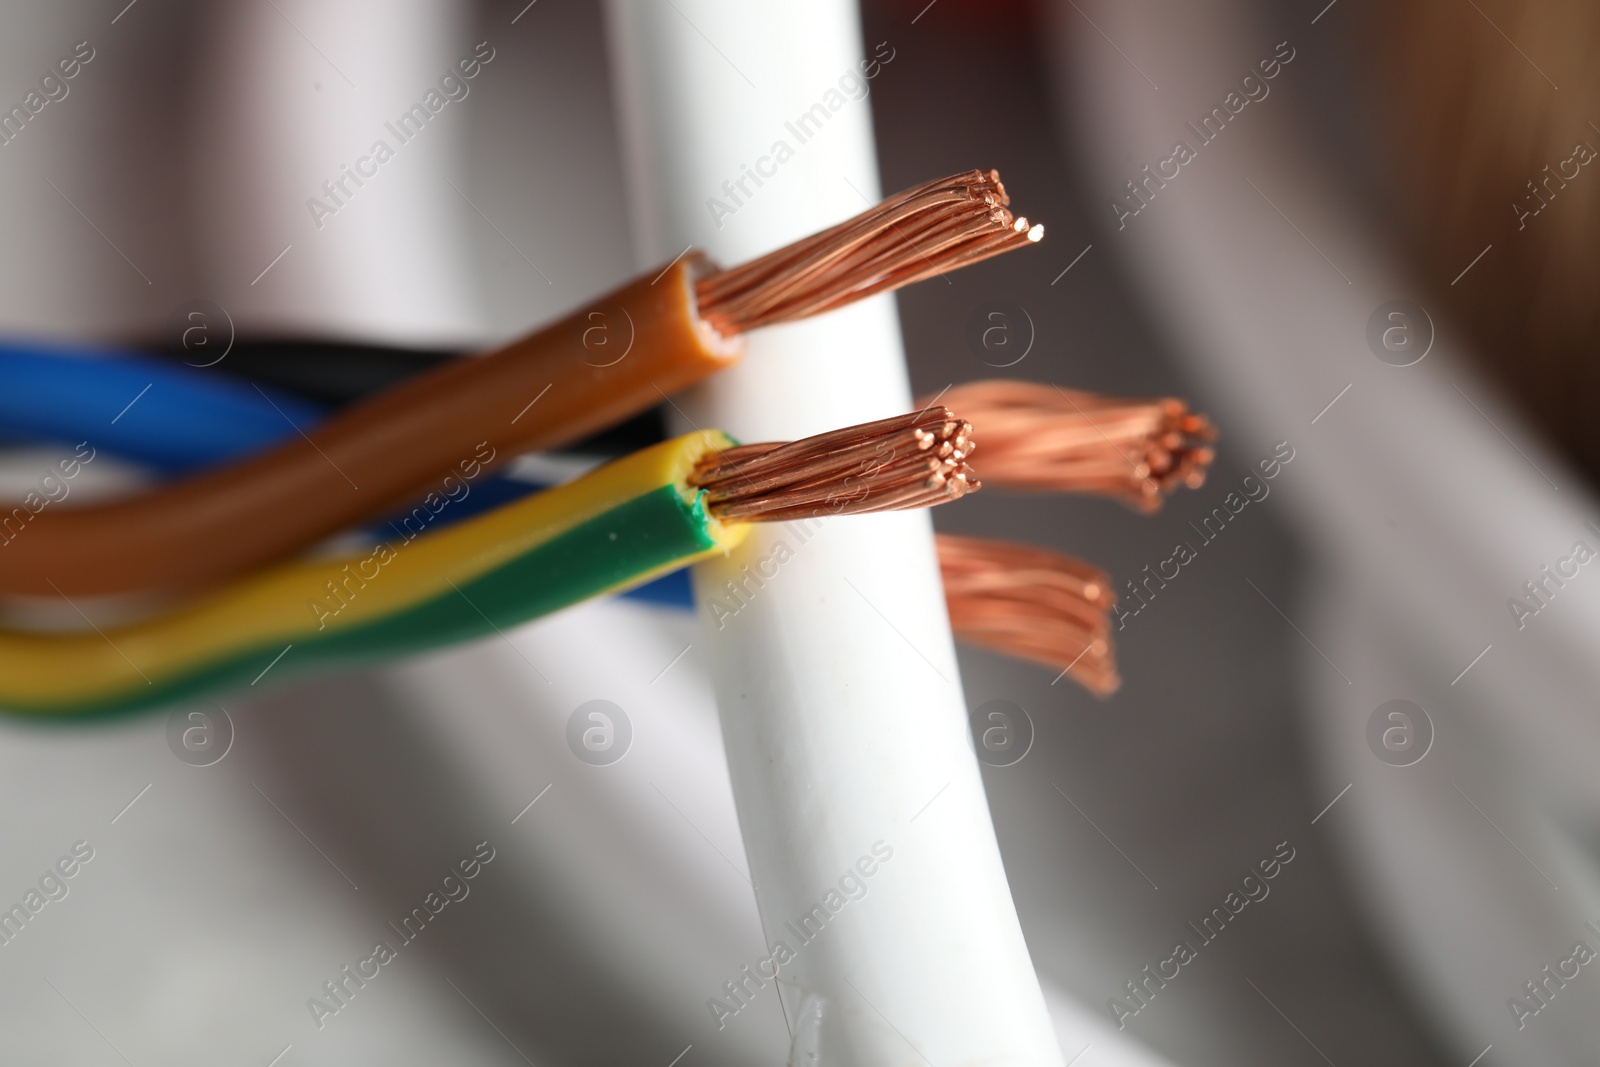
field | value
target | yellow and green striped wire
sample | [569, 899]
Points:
[620, 526]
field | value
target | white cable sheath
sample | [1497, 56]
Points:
[840, 700]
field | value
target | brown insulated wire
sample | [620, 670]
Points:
[611, 359]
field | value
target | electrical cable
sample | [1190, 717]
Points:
[660, 509]
[998, 596]
[1022, 601]
[140, 408]
[611, 360]
[179, 419]
[336, 373]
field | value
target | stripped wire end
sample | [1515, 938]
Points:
[916, 234]
[1050, 439]
[1031, 603]
[909, 461]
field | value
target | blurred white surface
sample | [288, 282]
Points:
[1428, 503]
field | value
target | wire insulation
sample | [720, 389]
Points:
[329, 372]
[623, 524]
[630, 521]
[171, 418]
[395, 448]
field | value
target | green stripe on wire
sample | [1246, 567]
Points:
[625, 546]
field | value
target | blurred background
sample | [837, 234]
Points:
[1426, 159]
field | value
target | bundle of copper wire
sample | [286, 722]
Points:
[908, 461]
[1046, 438]
[926, 230]
[1031, 603]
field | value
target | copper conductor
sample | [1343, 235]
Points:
[926, 230]
[1033, 604]
[1046, 438]
[909, 461]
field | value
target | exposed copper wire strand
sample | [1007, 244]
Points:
[909, 461]
[1031, 603]
[1050, 439]
[927, 230]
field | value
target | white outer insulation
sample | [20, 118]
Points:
[840, 699]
